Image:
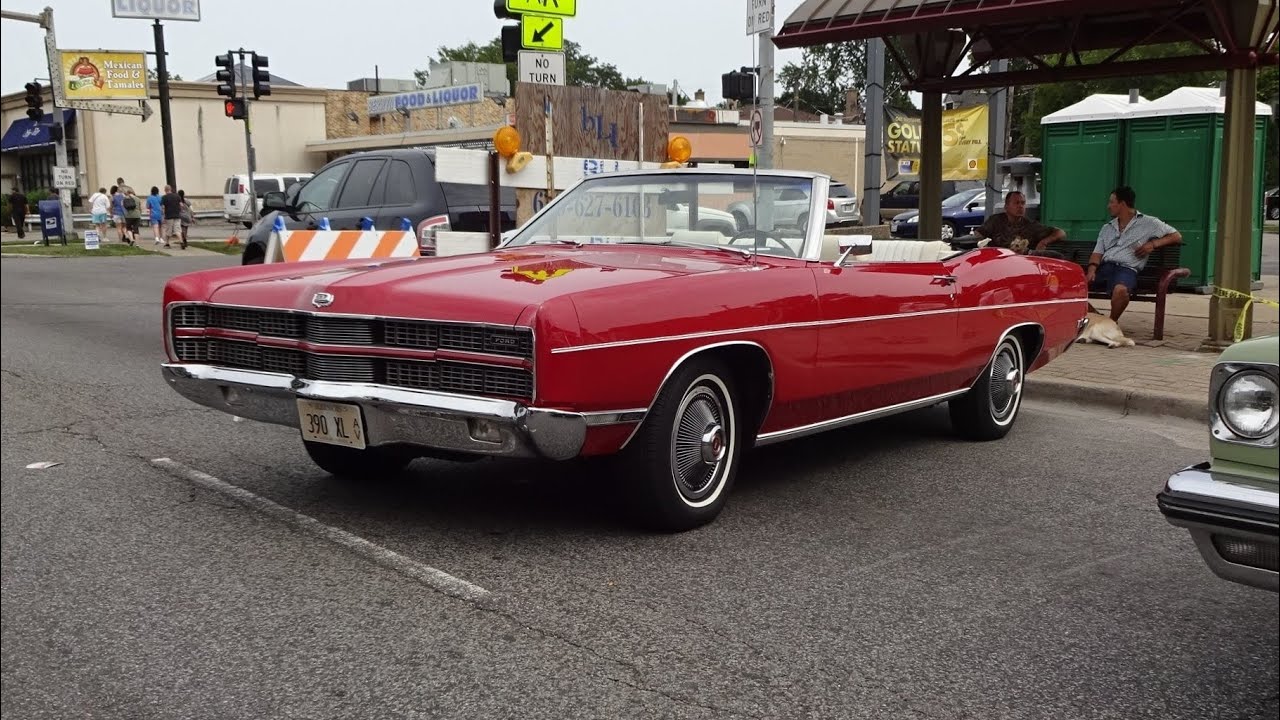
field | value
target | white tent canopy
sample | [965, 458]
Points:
[1191, 101]
[1096, 107]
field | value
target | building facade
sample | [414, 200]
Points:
[208, 146]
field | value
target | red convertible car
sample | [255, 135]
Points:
[614, 322]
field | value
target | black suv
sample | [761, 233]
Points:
[385, 186]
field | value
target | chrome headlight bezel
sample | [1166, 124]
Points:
[1224, 374]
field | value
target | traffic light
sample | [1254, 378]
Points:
[35, 101]
[510, 33]
[236, 109]
[261, 76]
[226, 75]
[736, 85]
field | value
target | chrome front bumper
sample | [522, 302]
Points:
[1219, 511]
[397, 416]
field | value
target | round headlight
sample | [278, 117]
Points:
[1248, 405]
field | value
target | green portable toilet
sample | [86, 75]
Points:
[1083, 153]
[1173, 156]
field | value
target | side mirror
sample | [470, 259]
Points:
[853, 245]
[274, 200]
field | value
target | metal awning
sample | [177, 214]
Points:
[1050, 34]
[27, 134]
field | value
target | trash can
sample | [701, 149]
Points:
[51, 220]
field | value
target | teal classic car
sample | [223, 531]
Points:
[1231, 504]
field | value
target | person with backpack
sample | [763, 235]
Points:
[132, 215]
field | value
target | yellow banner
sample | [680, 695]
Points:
[104, 75]
[964, 143]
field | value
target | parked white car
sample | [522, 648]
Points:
[235, 195]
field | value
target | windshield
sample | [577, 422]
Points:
[961, 198]
[763, 213]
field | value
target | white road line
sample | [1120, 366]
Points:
[425, 574]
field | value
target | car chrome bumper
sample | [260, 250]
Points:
[1227, 518]
[397, 416]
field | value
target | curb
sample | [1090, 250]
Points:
[1127, 400]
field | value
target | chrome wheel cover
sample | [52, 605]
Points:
[701, 443]
[1005, 385]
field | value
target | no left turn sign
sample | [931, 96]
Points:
[757, 128]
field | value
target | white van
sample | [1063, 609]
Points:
[235, 196]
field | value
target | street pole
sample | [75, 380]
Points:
[873, 144]
[764, 158]
[1232, 269]
[248, 138]
[997, 102]
[166, 121]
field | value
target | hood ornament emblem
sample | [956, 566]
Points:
[322, 299]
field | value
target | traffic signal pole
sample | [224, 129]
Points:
[248, 139]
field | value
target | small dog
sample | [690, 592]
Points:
[1103, 330]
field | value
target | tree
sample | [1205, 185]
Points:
[154, 76]
[580, 68]
[825, 74]
[1031, 103]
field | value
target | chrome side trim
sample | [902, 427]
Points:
[808, 324]
[791, 433]
[614, 417]
[676, 365]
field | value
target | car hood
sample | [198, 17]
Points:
[494, 287]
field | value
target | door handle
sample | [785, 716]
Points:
[944, 279]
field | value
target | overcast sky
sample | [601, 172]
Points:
[325, 43]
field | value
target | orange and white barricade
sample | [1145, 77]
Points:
[304, 245]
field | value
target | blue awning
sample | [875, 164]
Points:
[26, 134]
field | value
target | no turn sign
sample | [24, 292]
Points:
[757, 128]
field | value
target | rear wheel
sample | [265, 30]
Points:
[352, 464]
[987, 411]
[681, 464]
[948, 230]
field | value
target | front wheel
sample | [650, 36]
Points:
[352, 464]
[948, 230]
[988, 409]
[1274, 213]
[681, 464]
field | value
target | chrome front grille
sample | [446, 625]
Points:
[340, 331]
[472, 378]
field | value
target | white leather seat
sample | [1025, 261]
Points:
[890, 250]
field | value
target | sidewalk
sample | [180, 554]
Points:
[1169, 377]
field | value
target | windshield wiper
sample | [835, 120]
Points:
[561, 241]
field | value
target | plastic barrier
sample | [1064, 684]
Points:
[304, 245]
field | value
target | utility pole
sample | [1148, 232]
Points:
[873, 147]
[997, 106]
[166, 120]
[45, 20]
[248, 137]
[764, 158]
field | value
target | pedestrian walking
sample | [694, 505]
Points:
[188, 216]
[117, 211]
[18, 211]
[99, 209]
[155, 214]
[132, 215]
[171, 204]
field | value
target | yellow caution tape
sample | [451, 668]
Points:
[1244, 311]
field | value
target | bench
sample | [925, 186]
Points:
[1157, 276]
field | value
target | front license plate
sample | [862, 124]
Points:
[332, 423]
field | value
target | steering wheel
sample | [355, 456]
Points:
[755, 234]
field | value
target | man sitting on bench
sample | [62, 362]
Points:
[1013, 230]
[1124, 246]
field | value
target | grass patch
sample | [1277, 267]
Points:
[72, 250]
[218, 246]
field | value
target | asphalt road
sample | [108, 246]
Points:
[884, 571]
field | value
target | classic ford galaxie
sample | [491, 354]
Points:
[605, 326]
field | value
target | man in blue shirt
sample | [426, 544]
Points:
[1124, 246]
